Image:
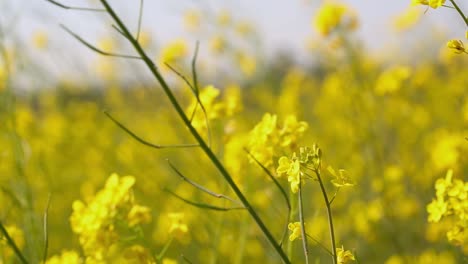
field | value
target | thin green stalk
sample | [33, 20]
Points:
[163, 251]
[194, 132]
[301, 220]
[12, 244]
[460, 12]
[330, 217]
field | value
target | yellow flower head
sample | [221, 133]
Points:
[295, 229]
[432, 3]
[457, 46]
[344, 256]
[192, 20]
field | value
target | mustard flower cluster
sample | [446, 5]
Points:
[269, 137]
[431, 3]
[308, 157]
[101, 223]
[451, 204]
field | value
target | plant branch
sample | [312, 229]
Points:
[465, 19]
[12, 244]
[330, 217]
[301, 220]
[197, 136]
[144, 142]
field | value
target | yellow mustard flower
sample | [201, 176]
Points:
[392, 79]
[292, 168]
[344, 256]
[432, 3]
[295, 229]
[341, 178]
[457, 46]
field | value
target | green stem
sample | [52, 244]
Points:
[163, 251]
[330, 217]
[303, 232]
[13, 244]
[195, 134]
[460, 12]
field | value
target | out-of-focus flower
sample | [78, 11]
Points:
[247, 64]
[295, 229]
[192, 20]
[40, 39]
[174, 52]
[392, 79]
[457, 46]
[178, 225]
[66, 257]
[218, 44]
[224, 18]
[407, 19]
[333, 15]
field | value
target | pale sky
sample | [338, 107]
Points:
[283, 24]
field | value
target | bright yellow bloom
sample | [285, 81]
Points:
[436, 210]
[296, 230]
[432, 3]
[292, 168]
[344, 256]
[457, 46]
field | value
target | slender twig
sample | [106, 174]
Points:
[278, 185]
[46, 229]
[202, 205]
[165, 248]
[144, 142]
[320, 244]
[301, 220]
[75, 8]
[140, 16]
[199, 186]
[94, 48]
[119, 31]
[465, 19]
[197, 136]
[12, 244]
[197, 90]
[330, 217]
[334, 195]
[185, 259]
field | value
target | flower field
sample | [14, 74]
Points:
[213, 152]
